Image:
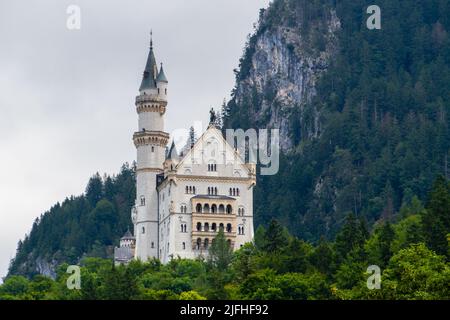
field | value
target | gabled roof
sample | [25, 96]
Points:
[228, 147]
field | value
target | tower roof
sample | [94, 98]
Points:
[150, 72]
[172, 154]
[127, 235]
[161, 76]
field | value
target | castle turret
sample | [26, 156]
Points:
[150, 141]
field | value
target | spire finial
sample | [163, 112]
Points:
[151, 39]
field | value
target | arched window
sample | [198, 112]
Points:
[231, 192]
[182, 229]
[214, 208]
[221, 227]
[221, 208]
[209, 190]
[237, 192]
[199, 208]
[242, 230]
[206, 227]
[206, 243]
[184, 245]
[229, 228]
[229, 209]
[215, 191]
[214, 227]
[185, 228]
[190, 189]
[165, 91]
[153, 245]
[153, 149]
[143, 230]
[199, 243]
[206, 208]
[193, 190]
[199, 226]
[187, 189]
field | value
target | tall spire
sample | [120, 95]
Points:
[151, 69]
[151, 39]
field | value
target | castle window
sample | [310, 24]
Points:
[215, 191]
[199, 242]
[184, 245]
[206, 243]
[165, 91]
[214, 227]
[221, 227]
[214, 208]
[153, 245]
[229, 209]
[206, 208]
[187, 189]
[185, 228]
[153, 149]
[143, 230]
[229, 228]
[199, 226]
[158, 90]
[231, 192]
[193, 188]
[237, 192]
[142, 201]
[199, 208]
[221, 208]
[206, 227]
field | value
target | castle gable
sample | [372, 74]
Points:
[212, 155]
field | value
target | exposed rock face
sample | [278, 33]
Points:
[285, 64]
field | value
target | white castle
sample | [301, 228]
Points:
[183, 200]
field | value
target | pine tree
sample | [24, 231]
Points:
[436, 218]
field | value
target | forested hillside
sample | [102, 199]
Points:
[364, 117]
[411, 253]
[364, 114]
[87, 225]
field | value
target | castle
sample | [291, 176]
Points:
[183, 200]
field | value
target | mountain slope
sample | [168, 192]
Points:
[87, 225]
[363, 114]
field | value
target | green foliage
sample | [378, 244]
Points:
[381, 113]
[88, 225]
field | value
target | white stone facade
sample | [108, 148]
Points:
[182, 201]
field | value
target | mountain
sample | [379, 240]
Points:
[363, 114]
[363, 118]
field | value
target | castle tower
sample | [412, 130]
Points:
[150, 141]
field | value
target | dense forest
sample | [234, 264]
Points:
[87, 225]
[412, 253]
[376, 132]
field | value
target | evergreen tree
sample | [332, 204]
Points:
[436, 218]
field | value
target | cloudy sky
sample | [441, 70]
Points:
[67, 96]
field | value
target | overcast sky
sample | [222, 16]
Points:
[67, 96]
